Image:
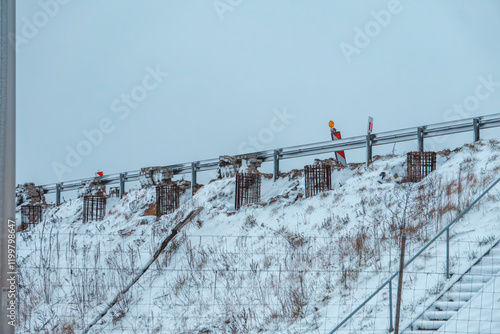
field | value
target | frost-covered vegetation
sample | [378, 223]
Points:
[288, 264]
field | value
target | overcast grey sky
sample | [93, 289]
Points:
[169, 81]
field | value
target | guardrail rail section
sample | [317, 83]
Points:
[366, 141]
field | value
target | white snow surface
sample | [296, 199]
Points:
[481, 315]
[289, 264]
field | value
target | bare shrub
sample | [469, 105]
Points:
[250, 221]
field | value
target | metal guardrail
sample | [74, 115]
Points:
[446, 230]
[364, 141]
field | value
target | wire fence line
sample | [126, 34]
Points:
[202, 284]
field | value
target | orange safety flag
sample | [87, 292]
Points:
[100, 173]
[340, 155]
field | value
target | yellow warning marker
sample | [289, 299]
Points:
[331, 124]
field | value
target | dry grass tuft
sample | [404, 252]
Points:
[151, 210]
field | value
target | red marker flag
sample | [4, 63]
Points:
[100, 173]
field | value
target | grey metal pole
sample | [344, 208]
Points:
[194, 180]
[391, 327]
[58, 193]
[368, 149]
[447, 253]
[400, 283]
[476, 125]
[420, 135]
[122, 184]
[276, 164]
[8, 275]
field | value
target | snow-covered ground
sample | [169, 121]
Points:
[480, 315]
[286, 265]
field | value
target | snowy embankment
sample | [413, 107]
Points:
[286, 265]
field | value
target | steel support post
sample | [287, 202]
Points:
[420, 136]
[122, 184]
[368, 149]
[194, 169]
[400, 282]
[447, 253]
[58, 193]
[276, 164]
[476, 122]
[391, 327]
[8, 270]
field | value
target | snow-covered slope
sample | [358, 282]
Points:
[287, 265]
